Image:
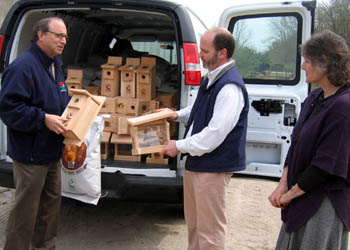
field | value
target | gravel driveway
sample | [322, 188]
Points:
[253, 222]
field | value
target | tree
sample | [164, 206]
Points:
[334, 16]
[283, 46]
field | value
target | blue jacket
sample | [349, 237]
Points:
[28, 92]
[230, 155]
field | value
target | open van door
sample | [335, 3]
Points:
[267, 55]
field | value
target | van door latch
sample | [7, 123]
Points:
[267, 106]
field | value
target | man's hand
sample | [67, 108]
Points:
[170, 149]
[174, 116]
[55, 123]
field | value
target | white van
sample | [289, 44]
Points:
[267, 39]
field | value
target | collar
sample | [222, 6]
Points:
[212, 75]
[43, 57]
[326, 101]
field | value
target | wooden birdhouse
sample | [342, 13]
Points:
[128, 77]
[123, 125]
[105, 144]
[74, 79]
[122, 148]
[110, 123]
[146, 79]
[167, 100]
[109, 106]
[80, 113]
[93, 90]
[156, 158]
[149, 132]
[131, 106]
[110, 83]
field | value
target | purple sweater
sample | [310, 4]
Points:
[321, 138]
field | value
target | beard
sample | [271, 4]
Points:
[211, 62]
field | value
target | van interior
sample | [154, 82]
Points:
[96, 34]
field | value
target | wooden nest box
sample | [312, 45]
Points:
[110, 77]
[80, 113]
[149, 132]
[74, 80]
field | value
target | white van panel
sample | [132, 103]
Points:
[268, 135]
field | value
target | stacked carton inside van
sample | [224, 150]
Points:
[130, 91]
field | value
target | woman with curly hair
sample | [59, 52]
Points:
[314, 191]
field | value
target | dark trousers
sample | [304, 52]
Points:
[34, 216]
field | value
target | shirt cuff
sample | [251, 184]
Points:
[180, 114]
[41, 123]
[181, 146]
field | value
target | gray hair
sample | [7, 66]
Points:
[43, 25]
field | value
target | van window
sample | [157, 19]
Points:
[267, 48]
[165, 50]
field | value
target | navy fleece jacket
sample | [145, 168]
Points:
[28, 92]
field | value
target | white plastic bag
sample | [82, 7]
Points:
[81, 166]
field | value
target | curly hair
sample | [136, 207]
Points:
[329, 54]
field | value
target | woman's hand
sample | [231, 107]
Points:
[277, 194]
[282, 188]
[292, 193]
[286, 199]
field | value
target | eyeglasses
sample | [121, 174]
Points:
[59, 36]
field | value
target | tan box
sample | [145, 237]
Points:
[153, 105]
[80, 113]
[123, 125]
[110, 83]
[166, 100]
[121, 153]
[74, 79]
[131, 106]
[105, 143]
[111, 123]
[128, 78]
[146, 79]
[156, 158]
[93, 90]
[149, 132]
[109, 106]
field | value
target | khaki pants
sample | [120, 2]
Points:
[34, 217]
[205, 209]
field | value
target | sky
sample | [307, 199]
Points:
[210, 11]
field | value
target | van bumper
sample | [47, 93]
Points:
[122, 186]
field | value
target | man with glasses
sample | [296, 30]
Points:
[32, 98]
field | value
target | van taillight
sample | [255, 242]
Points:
[192, 66]
[2, 40]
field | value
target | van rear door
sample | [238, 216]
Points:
[267, 54]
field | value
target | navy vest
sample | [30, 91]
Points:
[230, 155]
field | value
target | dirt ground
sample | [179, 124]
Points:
[253, 223]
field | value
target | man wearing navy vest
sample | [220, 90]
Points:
[214, 141]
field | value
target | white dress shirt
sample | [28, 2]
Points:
[227, 109]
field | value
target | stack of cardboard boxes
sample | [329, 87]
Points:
[130, 91]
